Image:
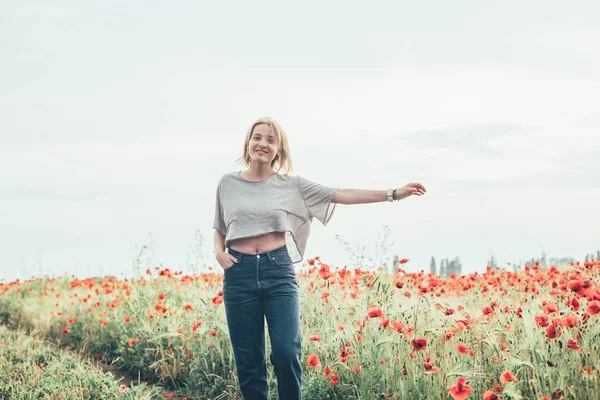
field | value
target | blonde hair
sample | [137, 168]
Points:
[283, 159]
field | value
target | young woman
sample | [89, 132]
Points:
[262, 222]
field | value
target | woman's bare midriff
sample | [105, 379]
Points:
[259, 244]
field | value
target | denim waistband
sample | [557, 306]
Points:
[241, 256]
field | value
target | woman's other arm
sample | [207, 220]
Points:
[362, 196]
[219, 243]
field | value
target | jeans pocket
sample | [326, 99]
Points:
[282, 260]
[232, 266]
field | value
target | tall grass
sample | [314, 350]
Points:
[366, 334]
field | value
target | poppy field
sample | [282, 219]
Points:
[367, 334]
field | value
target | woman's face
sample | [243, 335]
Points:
[263, 144]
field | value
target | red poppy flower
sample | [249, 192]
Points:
[397, 326]
[430, 369]
[541, 320]
[593, 308]
[375, 313]
[570, 321]
[334, 379]
[419, 344]
[489, 395]
[449, 333]
[507, 376]
[315, 338]
[572, 344]
[461, 390]
[462, 349]
[551, 332]
[313, 361]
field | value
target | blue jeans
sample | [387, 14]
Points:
[263, 286]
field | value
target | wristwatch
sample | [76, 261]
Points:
[390, 194]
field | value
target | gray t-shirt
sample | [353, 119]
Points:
[280, 203]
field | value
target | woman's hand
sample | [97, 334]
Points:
[410, 189]
[226, 260]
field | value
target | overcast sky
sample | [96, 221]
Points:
[117, 120]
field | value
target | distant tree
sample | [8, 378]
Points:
[432, 267]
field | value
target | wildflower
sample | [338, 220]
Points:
[324, 271]
[507, 376]
[315, 338]
[572, 344]
[213, 333]
[397, 326]
[344, 354]
[313, 361]
[334, 379]
[461, 390]
[187, 307]
[419, 344]
[489, 395]
[196, 325]
[551, 332]
[375, 313]
[541, 321]
[122, 389]
[593, 308]
[462, 349]
[132, 342]
[217, 300]
[449, 333]
[429, 368]
[570, 321]
[127, 319]
[65, 331]
[161, 296]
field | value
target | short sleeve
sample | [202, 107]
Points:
[219, 223]
[318, 199]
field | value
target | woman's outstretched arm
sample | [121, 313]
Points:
[363, 196]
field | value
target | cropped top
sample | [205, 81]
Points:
[280, 203]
